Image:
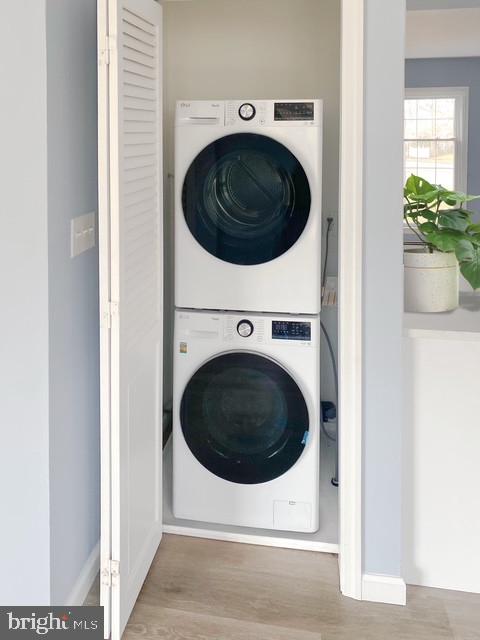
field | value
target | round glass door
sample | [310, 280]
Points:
[244, 418]
[246, 199]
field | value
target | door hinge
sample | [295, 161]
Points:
[105, 50]
[111, 573]
[110, 311]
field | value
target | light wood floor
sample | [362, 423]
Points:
[209, 590]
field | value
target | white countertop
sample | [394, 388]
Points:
[464, 321]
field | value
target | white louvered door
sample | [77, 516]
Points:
[131, 265]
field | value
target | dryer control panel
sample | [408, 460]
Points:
[249, 114]
[294, 111]
[288, 330]
[273, 113]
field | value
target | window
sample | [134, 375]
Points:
[436, 135]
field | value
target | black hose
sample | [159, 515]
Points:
[327, 237]
[335, 377]
[332, 355]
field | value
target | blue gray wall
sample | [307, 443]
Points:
[24, 419]
[49, 408]
[73, 291]
[383, 286]
[454, 72]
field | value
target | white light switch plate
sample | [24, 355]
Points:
[82, 233]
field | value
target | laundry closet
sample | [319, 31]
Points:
[172, 76]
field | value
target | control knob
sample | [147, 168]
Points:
[247, 111]
[245, 328]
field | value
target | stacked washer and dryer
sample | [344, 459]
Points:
[246, 412]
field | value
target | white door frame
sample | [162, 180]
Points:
[350, 298]
[353, 582]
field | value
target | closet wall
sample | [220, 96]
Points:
[225, 49]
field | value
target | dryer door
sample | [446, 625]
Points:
[244, 418]
[246, 199]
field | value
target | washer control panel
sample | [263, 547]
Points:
[245, 328]
[246, 331]
[287, 330]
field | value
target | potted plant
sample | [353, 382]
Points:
[449, 239]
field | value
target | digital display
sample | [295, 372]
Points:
[285, 111]
[285, 330]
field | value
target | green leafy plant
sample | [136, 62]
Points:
[441, 221]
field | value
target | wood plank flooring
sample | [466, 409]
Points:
[209, 590]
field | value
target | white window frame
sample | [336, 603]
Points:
[461, 95]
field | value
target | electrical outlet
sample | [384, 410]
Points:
[82, 233]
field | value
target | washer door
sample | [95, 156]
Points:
[246, 199]
[244, 418]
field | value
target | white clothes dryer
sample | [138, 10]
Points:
[248, 193]
[246, 420]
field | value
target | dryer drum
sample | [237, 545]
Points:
[244, 418]
[246, 199]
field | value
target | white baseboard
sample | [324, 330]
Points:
[249, 538]
[385, 589]
[85, 579]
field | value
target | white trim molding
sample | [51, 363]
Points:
[247, 538]
[350, 298]
[85, 579]
[384, 589]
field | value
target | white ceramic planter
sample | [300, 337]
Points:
[431, 281]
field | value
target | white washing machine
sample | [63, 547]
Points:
[248, 196]
[246, 420]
